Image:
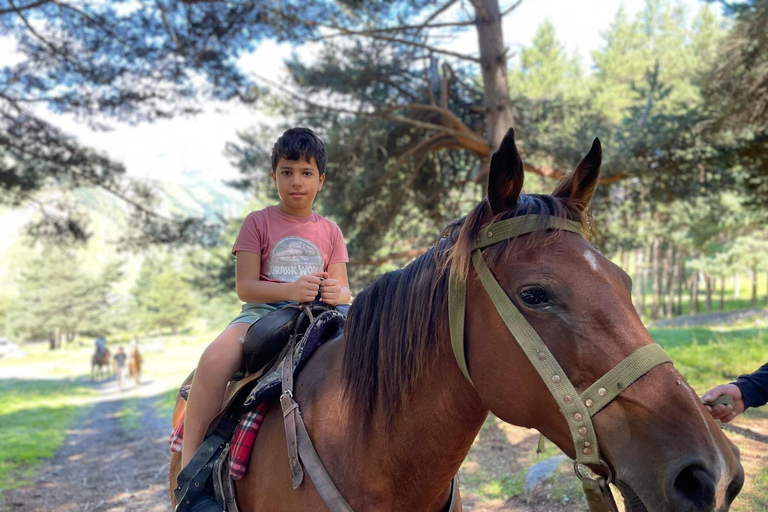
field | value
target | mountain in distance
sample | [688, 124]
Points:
[109, 216]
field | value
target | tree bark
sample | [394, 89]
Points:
[674, 273]
[754, 286]
[656, 279]
[638, 281]
[694, 308]
[708, 284]
[736, 285]
[644, 278]
[493, 63]
[722, 292]
[682, 280]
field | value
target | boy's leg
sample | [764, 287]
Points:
[219, 362]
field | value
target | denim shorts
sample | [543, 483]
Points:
[251, 312]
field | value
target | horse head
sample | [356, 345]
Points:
[653, 438]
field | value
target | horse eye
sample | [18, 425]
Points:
[534, 296]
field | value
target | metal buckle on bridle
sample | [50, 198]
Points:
[578, 468]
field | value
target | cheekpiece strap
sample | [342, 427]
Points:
[492, 234]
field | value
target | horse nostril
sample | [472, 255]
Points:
[694, 489]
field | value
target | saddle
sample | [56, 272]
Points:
[267, 337]
[292, 329]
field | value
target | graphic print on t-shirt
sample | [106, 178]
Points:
[293, 257]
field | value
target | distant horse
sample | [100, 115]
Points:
[100, 364]
[134, 364]
[537, 317]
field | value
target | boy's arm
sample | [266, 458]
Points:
[251, 289]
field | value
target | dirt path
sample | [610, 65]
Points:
[103, 466]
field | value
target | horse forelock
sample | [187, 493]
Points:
[395, 324]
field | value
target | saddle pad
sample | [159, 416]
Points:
[242, 442]
[327, 325]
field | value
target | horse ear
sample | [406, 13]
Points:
[581, 183]
[505, 180]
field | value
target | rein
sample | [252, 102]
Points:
[577, 409]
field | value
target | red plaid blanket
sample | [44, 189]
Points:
[242, 442]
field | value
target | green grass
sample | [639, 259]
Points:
[35, 416]
[710, 356]
[759, 490]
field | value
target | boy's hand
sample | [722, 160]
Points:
[330, 290]
[305, 288]
[725, 413]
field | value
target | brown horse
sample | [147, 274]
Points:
[100, 364]
[134, 364]
[392, 416]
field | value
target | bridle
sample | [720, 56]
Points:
[577, 409]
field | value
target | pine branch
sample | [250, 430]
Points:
[511, 8]
[432, 49]
[15, 9]
[465, 134]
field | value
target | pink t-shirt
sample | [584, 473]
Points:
[290, 247]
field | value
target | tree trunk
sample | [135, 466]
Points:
[655, 279]
[52, 340]
[708, 283]
[493, 63]
[766, 288]
[694, 307]
[754, 286]
[682, 281]
[736, 285]
[644, 278]
[667, 266]
[674, 276]
[638, 281]
[722, 292]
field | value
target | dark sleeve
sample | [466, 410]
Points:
[754, 387]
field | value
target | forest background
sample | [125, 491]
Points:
[410, 113]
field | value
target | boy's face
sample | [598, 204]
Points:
[297, 183]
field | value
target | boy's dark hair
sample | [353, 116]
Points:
[300, 143]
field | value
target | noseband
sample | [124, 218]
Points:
[577, 409]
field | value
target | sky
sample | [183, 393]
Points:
[166, 149]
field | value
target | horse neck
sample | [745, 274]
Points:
[426, 443]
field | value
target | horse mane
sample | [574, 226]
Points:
[394, 325]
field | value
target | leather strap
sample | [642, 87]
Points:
[290, 413]
[317, 472]
[598, 494]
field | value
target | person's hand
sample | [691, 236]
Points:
[725, 413]
[305, 288]
[330, 291]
